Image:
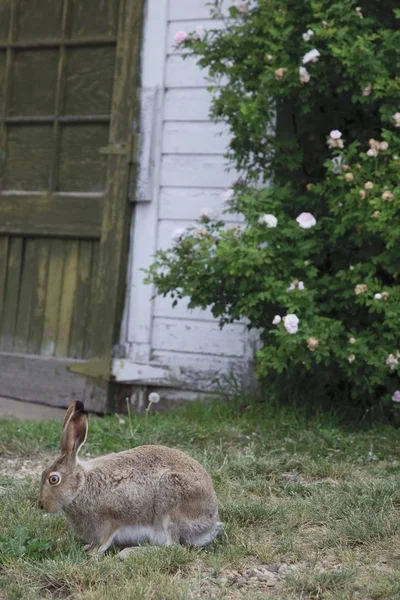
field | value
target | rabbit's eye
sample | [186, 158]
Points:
[54, 478]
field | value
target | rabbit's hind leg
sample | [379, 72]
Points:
[104, 544]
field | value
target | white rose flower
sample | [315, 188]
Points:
[178, 234]
[311, 56]
[200, 32]
[307, 35]
[227, 196]
[276, 320]
[291, 323]
[269, 220]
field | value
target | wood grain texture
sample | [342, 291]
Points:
[205, 171]
[117, 210]
[53, 297]
[193, 9]
[48, 381]
[37, 314]
[11, 294]
[29, 156]
[186, 104]
[197, 337]
[163, 308]
[5, 6]
[81, 168]
[67, 299]
[2, 78]
[195, 138]
[33, 88]
[39, 19]
[62, 269]
[51, 215]
[82, 299]
[89, 81]
[185, 73]
[94, 18]
[24, 298]
[181, 203]
[4, 243]
[91, 323]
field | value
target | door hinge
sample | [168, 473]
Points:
[128, 149]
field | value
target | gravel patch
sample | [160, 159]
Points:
[234, 584]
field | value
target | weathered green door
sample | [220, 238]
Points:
[68, 73]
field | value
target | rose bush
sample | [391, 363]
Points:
[311, 95]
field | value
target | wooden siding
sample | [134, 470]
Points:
[189, 174]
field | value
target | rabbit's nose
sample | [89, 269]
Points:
[40, 505]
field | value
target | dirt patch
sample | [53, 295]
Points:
[22, 467]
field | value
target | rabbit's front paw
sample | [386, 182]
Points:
[87, 547]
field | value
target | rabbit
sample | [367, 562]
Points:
[150, 494]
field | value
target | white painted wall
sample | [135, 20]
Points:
[182, 171]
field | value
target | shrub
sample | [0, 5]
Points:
[310, 92]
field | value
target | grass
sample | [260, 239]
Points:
[319, 503]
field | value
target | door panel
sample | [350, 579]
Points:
[47, 295]
[68, 71]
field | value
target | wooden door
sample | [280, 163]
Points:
[68, 72]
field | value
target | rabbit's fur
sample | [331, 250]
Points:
[148, 494]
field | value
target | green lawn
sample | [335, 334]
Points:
[311, 511]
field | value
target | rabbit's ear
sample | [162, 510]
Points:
[72, 408]
[74, 434]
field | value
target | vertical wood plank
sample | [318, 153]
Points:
[53, 297]
[14, 266]
[39, 297]
[25, 297]
[82, 297]
[91, 318]
[67, 299]
[3, 272]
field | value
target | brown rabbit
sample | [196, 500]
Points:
[148, 494]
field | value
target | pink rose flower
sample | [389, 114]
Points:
[396, 396]
[392, 361]
[180, 37]
[241, 6]
[304, 75]
[306, 220]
